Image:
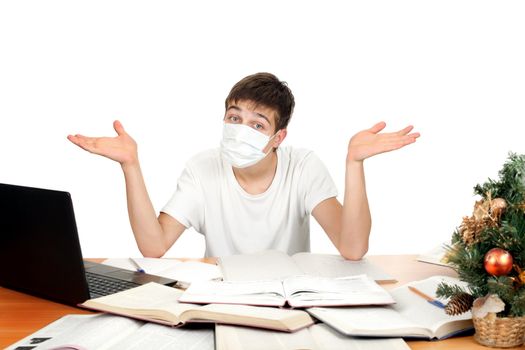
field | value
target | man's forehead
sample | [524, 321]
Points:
[253, 107]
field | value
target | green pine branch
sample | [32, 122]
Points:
[511, 185]
[445, 290]
[517, 307]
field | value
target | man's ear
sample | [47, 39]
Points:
[279, 138]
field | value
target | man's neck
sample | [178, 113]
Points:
[257, 178]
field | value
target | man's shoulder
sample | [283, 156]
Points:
[296, 155]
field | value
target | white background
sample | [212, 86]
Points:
[454, 69]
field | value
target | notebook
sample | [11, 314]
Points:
[40, 251]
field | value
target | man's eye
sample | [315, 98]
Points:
[234, 118]
[259, 126]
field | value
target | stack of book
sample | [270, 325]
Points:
[282, 302]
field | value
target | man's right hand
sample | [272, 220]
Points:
[121, 148]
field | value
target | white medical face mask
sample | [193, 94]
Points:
[242, 145]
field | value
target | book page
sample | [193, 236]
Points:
[268, 293]
[369, 321]
[254, 316]
[435, 256]
[156, 337]
[184, 271]
[326, 337]
[193, 271]
[241, 338]
[315, 337]
[304, 291]
[412, 315]
[80, 332]
[85, 332]
[327, 265]
[152, 266]
[418, 310]
[150, 300]
[267, 265]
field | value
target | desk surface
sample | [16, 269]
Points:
[21, 314]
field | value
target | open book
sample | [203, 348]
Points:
[411, 316]
[436, 256]
[316, 337]
[158, 303]
[112, 332]
[273, 264]
[297, 291]
[185, 272]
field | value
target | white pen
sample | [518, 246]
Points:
[136, 265]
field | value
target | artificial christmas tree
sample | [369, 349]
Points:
[488, 252]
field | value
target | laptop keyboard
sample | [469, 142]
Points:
[103, 285]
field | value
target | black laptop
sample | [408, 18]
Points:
[40, 251]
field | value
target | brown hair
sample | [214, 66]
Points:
[266, 90]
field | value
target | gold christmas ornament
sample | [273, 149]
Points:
[486, 214]
[498, 203]
[519, 280]
[481, 210]
[497, 207]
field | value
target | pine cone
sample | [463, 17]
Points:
[471, 228]
[459, 304]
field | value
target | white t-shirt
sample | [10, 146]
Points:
[209, 199]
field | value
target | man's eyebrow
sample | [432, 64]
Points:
[258, 114]
[233, 107]
[263, 116]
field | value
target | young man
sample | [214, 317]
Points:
[250, 194]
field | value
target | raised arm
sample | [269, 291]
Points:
[154, 235]
[348, 225]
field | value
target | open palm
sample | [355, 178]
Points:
[121, 148]
[370, 142]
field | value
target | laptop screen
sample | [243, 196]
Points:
[39, 246]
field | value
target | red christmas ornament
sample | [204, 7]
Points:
[498, 262]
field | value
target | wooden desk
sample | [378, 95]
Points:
[21, 314]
